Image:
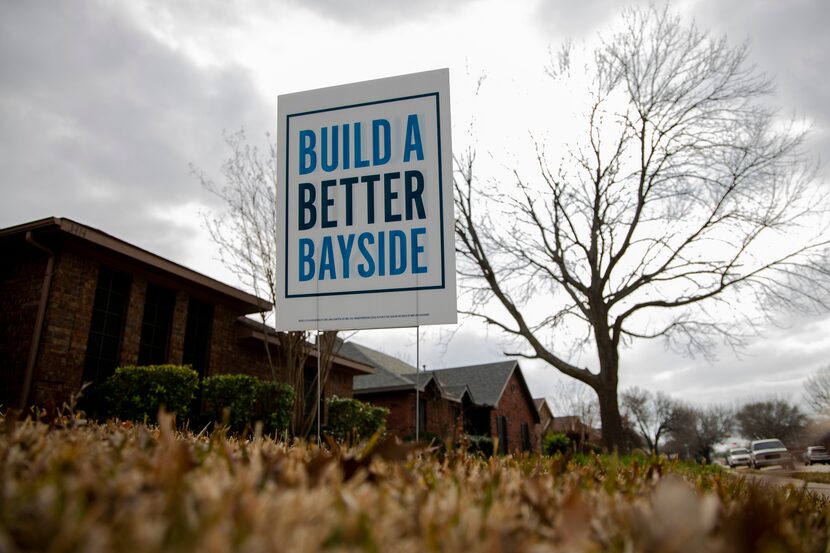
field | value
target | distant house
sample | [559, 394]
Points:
[580, 433]
[545, 416]
[490, 399]
[393, 385]
[76, 302]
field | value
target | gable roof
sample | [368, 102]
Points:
[486, 382]
[256, 330]
[376, 359]
[542, 405]
[77, 233]
[457, 392]
[381, 381]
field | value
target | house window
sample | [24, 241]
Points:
[106, 329]
[525, 437]
[197, 335]
[155, 326]
[501, 427]
[422, 415]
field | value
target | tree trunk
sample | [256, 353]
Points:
[609, 406]
[609, 362]
[609, 413]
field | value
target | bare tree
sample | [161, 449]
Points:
[572, 398]
[817, 391]
[245, 233]
[772, 418]
[697, 430]
[684, 211]
[652, 415]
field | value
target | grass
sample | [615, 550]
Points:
[819, 477]
[123, 487]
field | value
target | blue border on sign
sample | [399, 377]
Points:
[440, 196]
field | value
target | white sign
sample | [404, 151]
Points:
[365, 205]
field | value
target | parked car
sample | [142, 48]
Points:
[816, 454]
[768, 452]
[738, 456]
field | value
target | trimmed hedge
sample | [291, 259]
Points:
[480, 444]
[352, 420]
[554, 443]
[247, 399]
[137, 392]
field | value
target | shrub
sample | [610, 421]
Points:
[554, 443]
[247, 400]
[93, 401]
[137, 392]
[352, 420]
[481, 444]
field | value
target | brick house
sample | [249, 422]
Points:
[545, 417]
[582, 435]
[393, 385]
[493, 398]
[76, 302]
[501, 404]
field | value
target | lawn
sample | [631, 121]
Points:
[123, 487]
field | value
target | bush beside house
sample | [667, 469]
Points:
[555, 442]
[352, 420]
[137, 392]
[239, 401]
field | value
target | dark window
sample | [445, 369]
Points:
[197, 335]
[501, 427]
[525, 437]
[422, 415]
[155, 326]
[106, 329]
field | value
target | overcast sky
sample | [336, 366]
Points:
[104, 105]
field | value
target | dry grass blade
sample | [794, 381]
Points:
[125, 487]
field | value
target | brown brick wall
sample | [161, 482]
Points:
[60, 361]
[401, 405]
[440, 420]
[63, 345]
[176, 350]
[338, 384]
[20, 287]
[231, 355]
[517, 406]
[132, 325]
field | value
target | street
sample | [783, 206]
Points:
[780, 477]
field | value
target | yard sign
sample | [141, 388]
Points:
[365, 206]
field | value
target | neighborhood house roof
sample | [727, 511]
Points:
[89, 236]
[486, 382]
[252, 329]
[381, 380]
[376, 359]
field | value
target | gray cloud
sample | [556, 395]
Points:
[790, 42]
[371, 13]
[575, 19]
[100, 121]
